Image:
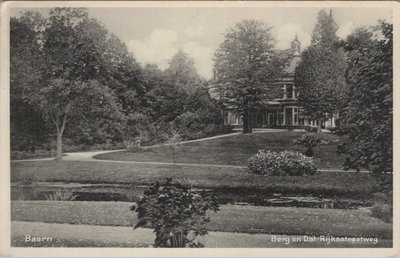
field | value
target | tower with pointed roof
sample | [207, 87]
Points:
[295, 47]
[295, 51]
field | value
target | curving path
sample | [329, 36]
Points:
[90, 155]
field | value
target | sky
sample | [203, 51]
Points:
[154, 35]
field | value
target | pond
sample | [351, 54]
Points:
[132, 193]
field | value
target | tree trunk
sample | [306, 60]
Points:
[60, 132]
[59, 145]
[173, 156]
[247, 127]
[319, 128]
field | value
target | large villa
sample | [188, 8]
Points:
[283, 110]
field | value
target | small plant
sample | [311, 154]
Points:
[281, 163]
[176, 212]
[309, 141]
[130, 145]
[60, 196]
[172, 143]
[313, 129]
[134, 145]
[187, 182]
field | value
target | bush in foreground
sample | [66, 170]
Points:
[281, 163]
[176, 212]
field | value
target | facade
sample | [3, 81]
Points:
[284, 110]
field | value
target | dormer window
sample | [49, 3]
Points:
[289, 91]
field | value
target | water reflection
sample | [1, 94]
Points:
[130, 193]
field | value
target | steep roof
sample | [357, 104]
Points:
[291, 67]
[295, 49]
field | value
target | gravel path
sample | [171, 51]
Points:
[88, 155]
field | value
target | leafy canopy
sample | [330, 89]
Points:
[368, 117]
[320, 75]
[245, 64]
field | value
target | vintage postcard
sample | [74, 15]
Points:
[190, 128]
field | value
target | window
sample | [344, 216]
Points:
[289, 91]
[284, 91]
[294, 92]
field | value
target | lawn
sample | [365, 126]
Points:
[234, 150]
[18, 241]
[231, 218]
[350, 185]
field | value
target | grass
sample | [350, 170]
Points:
[244, 219]
[16, 155]
[351, 185]
[235, 150]
[67, 147]
[18, 241]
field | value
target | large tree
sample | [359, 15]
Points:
[28, 129]
[70, 66]
[245, 64]
[123, 75]
[320, 75]
[182, 72]
[367, 118]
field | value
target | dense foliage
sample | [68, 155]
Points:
[66, 84]
[176, 212]
[368, 117]
[281, 164]
[245, 64]
[320, 75]
[28, 127]
[73, 81]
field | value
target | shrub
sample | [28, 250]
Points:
[309, 141]
[281, 163]
[176, 212]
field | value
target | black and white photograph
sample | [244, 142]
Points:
[223, 125]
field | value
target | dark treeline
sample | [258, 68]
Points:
[74, 82]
